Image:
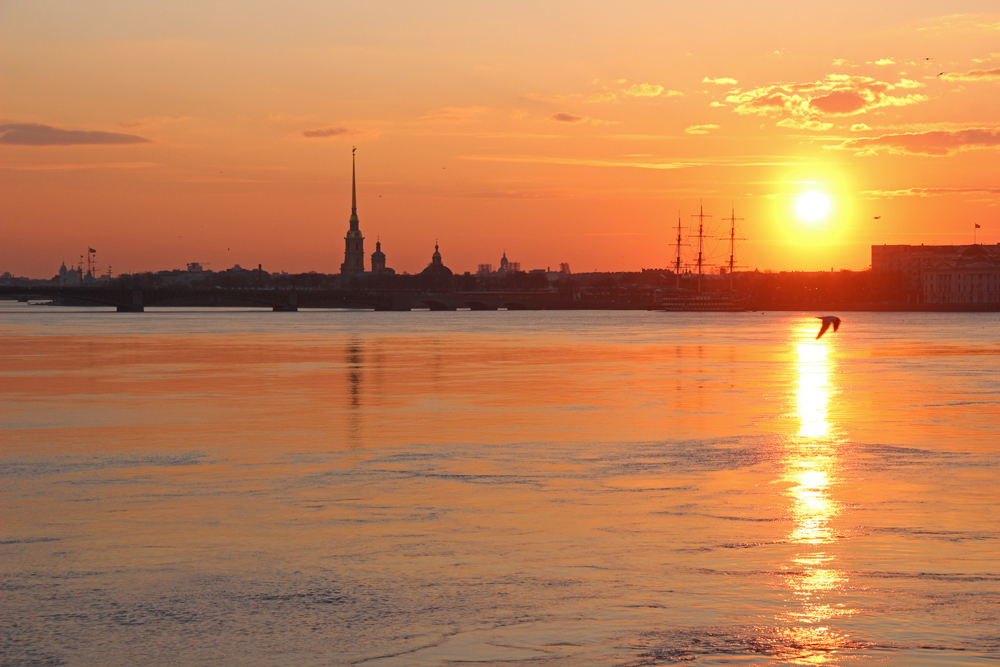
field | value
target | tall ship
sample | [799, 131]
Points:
[688, 299]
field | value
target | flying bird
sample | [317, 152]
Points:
[827, 321]
[876, 217]
[940, 74]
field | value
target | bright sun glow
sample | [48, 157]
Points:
[812, 206]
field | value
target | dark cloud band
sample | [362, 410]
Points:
[34, 134]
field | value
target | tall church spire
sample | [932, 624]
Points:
[354, 242]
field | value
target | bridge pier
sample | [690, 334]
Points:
[136, 305]
[291, 307]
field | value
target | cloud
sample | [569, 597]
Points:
[716, 104]
[77, 166]
[454, 115]
[548, 99]
[644, 90]
[597, 98]
[975, 75]
[804, 105]
[700, 129]
[807, 124]
[152, 121]
[564, 117]
[635, 164]
[327, 132]
[859, 127]
[839, 62]
[34, 134]
[840, 102]
[722, 81]
[882, 61]
[909, 83]
[930, 192]
[925, 143]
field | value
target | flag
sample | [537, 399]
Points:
[977, 226]
[94, 251]
[663, 279]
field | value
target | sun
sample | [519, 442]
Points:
[812, 206]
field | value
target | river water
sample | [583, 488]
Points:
[227, 487]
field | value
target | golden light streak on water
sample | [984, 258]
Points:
[811, 465]
[813, 389]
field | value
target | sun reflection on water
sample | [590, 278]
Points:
[813, 389]
[811, 464]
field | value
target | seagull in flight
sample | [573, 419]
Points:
[827, 321]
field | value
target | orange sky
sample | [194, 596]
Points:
[557, 131]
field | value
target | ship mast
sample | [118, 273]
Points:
[732, 245]
[701, 239]
[677, 262]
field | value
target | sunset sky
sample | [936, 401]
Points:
[221, 132]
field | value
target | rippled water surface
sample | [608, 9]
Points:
[583, 488]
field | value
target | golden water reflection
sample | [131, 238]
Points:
[813, 391]
[811, 468]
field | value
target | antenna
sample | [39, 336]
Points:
[701, 238]
[732, 245]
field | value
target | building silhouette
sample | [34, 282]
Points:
[436, 269]
[944, 274]
[504, 265]
[378, 260]
[354, 252]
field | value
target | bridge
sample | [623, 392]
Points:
[136, 300]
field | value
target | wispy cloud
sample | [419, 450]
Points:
[974, 75]
[454, 115]
[722, 81]
[644, 90]
[700, 129]
[925, 143]
[34, 134]
[637, 164]
[152, 121]
[650, 90]
[327, 132]
[564, 117]
[77, 166]
[550, 99]
[882, 61]
[804, 124]
[597, 98]
[931, 192]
